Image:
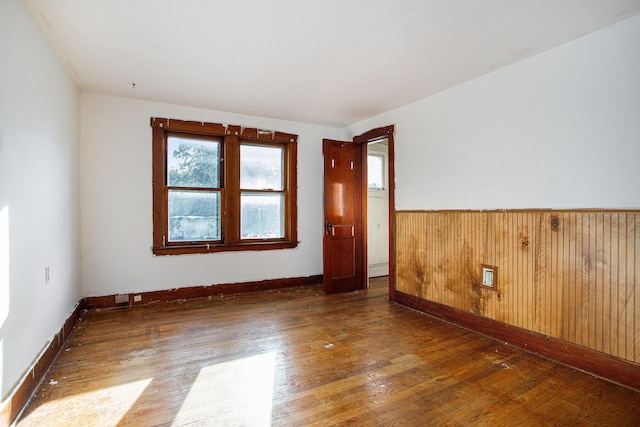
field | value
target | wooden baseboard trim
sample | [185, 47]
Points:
[19, 396]
[108, 301]
[611, 368]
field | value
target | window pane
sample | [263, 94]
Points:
[193, 162]
[262, 216]
[194, 215]
[375, 171]
[261, 167]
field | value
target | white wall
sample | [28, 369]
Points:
[558, 130]
[39, 208]
[117, 203]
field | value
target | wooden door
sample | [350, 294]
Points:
[343, 237]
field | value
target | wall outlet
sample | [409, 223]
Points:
[137, 298]
[489, 276]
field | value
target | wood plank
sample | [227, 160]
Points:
[636, 286]
[606, 284]
[615, 288]
[630, 282]
[622, 286]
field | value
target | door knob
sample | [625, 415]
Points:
[328, 228]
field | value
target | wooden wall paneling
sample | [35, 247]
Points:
[630, 289]
[464, 258]
[574, 296]
[402, 220]
[555, 243]
[408, 249]
[557, 284]
[445, 259]
[636, 289]
[502, 253]
[565, 266]
[575, 281]
[568, 234]
[540, 277]
[533, 222]
[622, 288]
[440, 260]
[597, 298]
[517, 271]
[441, 245]
[588, 267]
[614, 290]
[457, 285]
[437, 266]
[422, 285]
[582, 283]
[590, 270]
[606, 283]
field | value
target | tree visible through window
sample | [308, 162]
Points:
[194, 192]
[220, 187]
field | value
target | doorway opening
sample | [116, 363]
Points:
[379, 140]
[377, 195]
[346, 248]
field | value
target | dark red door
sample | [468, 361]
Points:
[343, 238]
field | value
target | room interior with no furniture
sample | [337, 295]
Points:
[319, 213]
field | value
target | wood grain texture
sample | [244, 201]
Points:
[298, 357]
[571, 275]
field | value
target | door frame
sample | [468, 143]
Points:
[363, 140]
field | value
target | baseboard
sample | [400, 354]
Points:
[27, 385]
[178, 294]
[611, 368]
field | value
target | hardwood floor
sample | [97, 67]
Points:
[298, 357]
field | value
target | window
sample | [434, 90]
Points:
[222, 188]
[376, 171]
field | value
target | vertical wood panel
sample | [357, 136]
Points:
[630, 288]
[615, 288]
[636, 305]
[556, 269]
[577, 282]
[604, 331]
[622, 288]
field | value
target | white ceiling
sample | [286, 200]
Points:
[331, 62]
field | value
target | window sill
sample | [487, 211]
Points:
[205, 249]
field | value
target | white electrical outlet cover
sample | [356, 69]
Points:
[487, 276]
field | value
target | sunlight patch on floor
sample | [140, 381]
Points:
[107, 404]
[238, 392]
